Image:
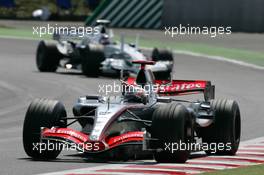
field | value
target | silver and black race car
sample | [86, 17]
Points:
[143, 121]
[97, 54]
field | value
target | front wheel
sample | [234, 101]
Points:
[42, 113]
[173, 127]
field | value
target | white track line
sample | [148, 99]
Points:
[250, 149]
[216, 167]
[141, 170]
[86, 170]
[260, 145]
[252, 141]
[240, 157]
[251, 152]
[215, 162]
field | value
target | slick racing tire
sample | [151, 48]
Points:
[42, 113]
[47, 57]
[171, 125]
[225, 130]
[92, 56]
[161, 55]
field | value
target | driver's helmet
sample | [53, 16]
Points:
[104, 39]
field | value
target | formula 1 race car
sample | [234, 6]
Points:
[141, 122]
[97, 54]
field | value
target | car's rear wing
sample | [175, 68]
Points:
[180, 87]
[185, 87]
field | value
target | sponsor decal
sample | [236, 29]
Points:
[179, 85]
[65, 131]
[125, 137]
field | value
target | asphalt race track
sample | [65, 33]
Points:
[20, 82]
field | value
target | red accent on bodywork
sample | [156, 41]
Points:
[131, 81]
[175, 87]
[79, 138]
[180, 87]
[66, 133]
[124, 138]
[82, 139]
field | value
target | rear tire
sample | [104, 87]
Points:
[47, 56]
[171, 124]
[92, 57]
[42, 113]
[161, 55]
[226, 128]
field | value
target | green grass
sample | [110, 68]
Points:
[252, 57]
[250, 170]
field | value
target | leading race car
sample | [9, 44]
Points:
[97, 54]
[143, 121]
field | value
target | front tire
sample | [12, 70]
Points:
[42, 113]
[172, 124]
[226, 128]
[47, 56]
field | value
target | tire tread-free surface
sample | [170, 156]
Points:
[42, 113]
